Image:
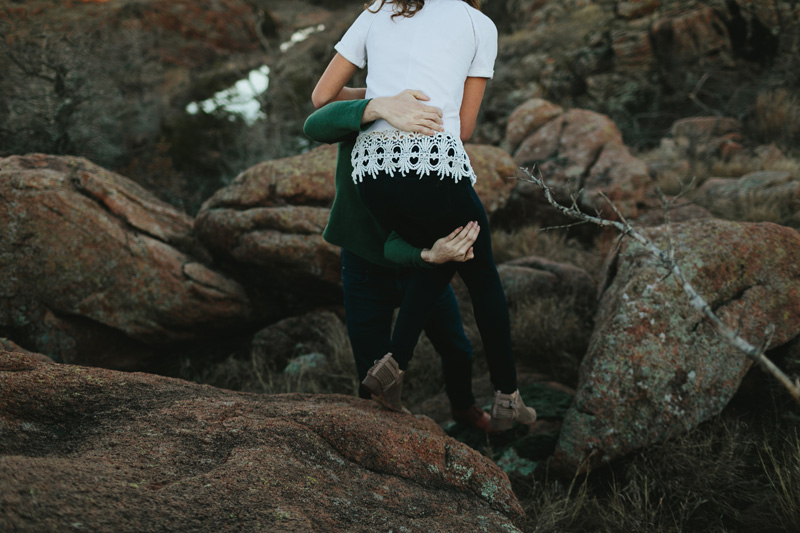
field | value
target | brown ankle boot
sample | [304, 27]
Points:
[509, 408]
[385, 382]
[474, 417]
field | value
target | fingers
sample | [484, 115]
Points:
[428, 122]
[433, 112]
[419, 95]
[454, 233]
[472, 234]
[459, 244]
[468, 236]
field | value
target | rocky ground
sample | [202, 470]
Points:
[103, 269]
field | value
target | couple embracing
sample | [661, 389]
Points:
[405, 213]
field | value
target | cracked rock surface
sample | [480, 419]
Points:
[137, 452]
[95, 270]
[655, 367]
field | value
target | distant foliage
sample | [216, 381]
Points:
[61, 97]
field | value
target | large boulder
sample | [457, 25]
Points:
[579, 153]
[655, 366]
[267, 225]
[562, 279]
[118, 451]
[318, 331]
[94, 269]
[772, 196]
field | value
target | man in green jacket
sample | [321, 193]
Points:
[376, 263]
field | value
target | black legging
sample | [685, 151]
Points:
[422, 210]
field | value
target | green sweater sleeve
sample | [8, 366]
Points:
[398, 251]
[336, 122]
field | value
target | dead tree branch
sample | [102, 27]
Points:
[667, 259]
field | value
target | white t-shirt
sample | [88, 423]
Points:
[433, 51]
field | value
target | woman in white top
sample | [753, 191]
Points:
[419, 183]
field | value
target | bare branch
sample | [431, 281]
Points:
[668, 261]
[694, 98]
[564, 226]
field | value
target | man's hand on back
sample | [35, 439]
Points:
[406, 112]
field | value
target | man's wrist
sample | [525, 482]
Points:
[371, 111]
[426, 255]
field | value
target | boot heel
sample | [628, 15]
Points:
[372, 385]
[384, 381]
[509, 408]
[501, 425]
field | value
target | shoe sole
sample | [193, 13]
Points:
[502, 425]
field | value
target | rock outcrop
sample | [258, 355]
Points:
[637, 61]
[267, 225]
[104, 450]
[655, 366]
[96, 270]
[577, 152]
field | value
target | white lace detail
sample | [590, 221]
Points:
[394, 151]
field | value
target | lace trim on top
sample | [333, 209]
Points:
[394, 151]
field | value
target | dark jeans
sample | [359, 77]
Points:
[372, 293]
[421, 211]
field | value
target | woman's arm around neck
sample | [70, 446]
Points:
[331, 85]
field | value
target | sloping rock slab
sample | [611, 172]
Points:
[108, 451]
[655, 366]
[95, 270]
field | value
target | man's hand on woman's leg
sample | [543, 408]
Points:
[454, 247]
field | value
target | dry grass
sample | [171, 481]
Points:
[708, 480]
[777, 116]
[258, 372]
[550, 337]
[783, 471]
[551, 244]
[253, 373]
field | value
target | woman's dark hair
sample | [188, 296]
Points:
[407, 8]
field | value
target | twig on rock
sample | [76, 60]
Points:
[667, 259]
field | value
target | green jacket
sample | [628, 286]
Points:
[350, 224]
